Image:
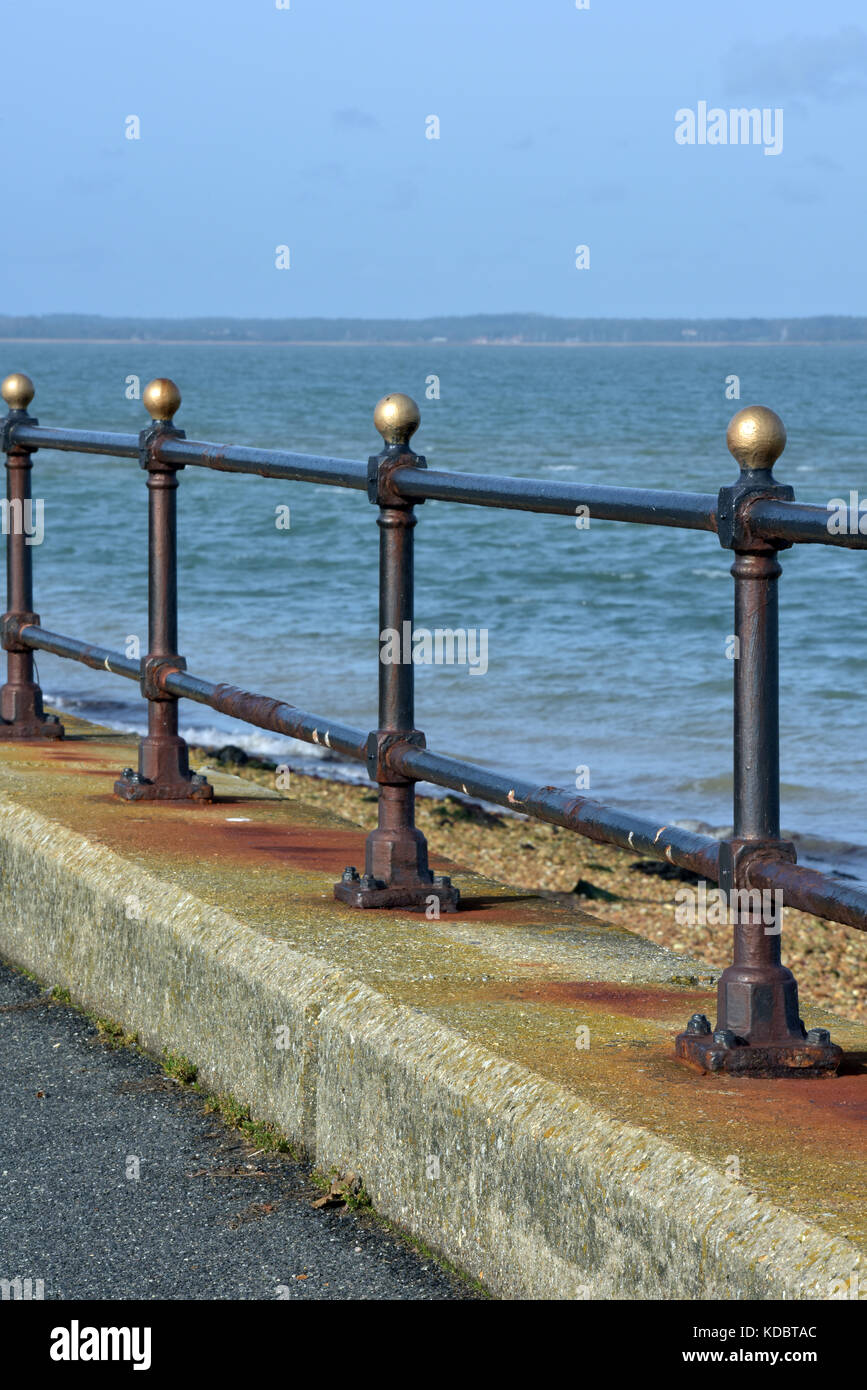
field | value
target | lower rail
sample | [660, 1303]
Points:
[803, 888]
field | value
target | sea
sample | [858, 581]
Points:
[607, 646]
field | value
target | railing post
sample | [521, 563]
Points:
[163, 767]
[759, 1031]
[396, 866]
[21, 712]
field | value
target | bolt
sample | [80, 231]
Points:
[699, 1023]
[819, 1037]
[368, 881]
[442, 881]
[350, 874]
[725, 1037]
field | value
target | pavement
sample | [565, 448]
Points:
[115, 1184]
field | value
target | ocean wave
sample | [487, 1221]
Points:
[257, 743]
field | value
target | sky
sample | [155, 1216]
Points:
[307, 127]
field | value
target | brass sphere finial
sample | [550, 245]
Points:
[397, 418]
[162, 398]
[756, 436]
[17, 391]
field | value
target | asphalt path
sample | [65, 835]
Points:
[116, 1184]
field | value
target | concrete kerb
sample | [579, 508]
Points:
[503, 1172]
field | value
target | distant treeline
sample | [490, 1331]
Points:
[469, 328]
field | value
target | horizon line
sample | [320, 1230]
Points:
[436, 318]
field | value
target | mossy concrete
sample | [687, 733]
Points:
[502, 1079]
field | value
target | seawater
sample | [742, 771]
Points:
[606, 646]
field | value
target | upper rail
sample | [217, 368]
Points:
[772, 519]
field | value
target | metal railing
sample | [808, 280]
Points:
[759, 1031]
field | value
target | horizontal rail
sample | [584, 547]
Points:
[799, 522]
[260, 710]
[266, 463]
[696, 511]
[267, 713]
[813, 892]
[559, 807]
[98, 658]
[802, 888]
[77, 441]
[693, 510]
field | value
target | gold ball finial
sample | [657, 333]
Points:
[756, 436]
[17, 391]
[162, 398]
[397, 418]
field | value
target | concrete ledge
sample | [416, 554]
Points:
[539, 1191]
[537, 1195]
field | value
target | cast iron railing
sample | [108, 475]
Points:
[759, 1031]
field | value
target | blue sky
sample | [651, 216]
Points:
[306, 127]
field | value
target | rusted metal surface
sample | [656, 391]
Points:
[758, 1030]
[590, 818]
[163, 772]
[813, 892]
[396, 869]
[97, 658]
[809, 1056]
[21, 712]
[268, 713]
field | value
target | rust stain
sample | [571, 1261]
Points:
[184, 831]
[82, 766]
[828, 1108]
[796, 1135]
[254, 843]
[637, 1001]
[507, 916]
[84, 751]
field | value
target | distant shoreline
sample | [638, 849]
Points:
[506, 329]
[416, 343]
